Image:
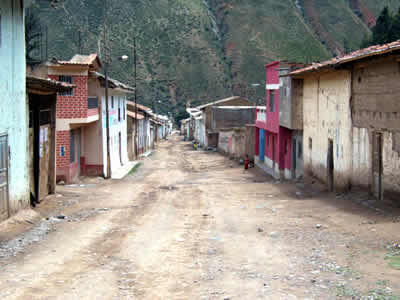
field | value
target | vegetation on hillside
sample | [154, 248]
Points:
[386, 30]
[196, 51]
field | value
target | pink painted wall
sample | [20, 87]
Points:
[285, 158]
[257, 142]
[272, 77]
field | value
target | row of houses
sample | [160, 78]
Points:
[54, 120]
[337, 121]
[226, 125]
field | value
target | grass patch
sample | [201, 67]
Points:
[394, 262]
[134, 169]
[393, 257]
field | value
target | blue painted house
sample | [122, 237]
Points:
[14, 181]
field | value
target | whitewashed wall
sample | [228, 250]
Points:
[14, 104]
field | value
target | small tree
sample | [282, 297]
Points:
[33, 31]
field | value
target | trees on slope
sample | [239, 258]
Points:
[387, 29]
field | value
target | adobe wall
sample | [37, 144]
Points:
[391, 167]
[376, 94]
[327, 115]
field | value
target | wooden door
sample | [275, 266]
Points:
[377, 165]
[330, 166]
[45, 156]
[4, 201]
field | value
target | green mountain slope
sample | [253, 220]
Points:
[201, 50]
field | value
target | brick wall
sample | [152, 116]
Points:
[75, 106]
[63, 140]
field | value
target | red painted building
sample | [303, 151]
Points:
[278, 143]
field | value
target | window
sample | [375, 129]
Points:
[71, 147]
[286, 147]
[300, 150]
[93, 102]
[119, 110]
[310, 143]
[67, 79]
[272, 100]
[112, 101]
[123, 104]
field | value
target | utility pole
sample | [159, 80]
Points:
[106, 93]
[136, 108]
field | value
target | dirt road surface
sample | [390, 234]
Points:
[194, 225]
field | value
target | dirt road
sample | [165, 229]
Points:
[194, 225]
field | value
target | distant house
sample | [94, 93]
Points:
[279, 140]
[143, 139]
[352, 120]
[201, 118]
[14, 156]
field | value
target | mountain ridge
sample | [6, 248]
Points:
[200, 50]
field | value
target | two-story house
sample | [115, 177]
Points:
[279, 148]
[81, 135]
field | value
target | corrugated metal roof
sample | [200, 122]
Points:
[113, 83]
[140, 106]
[220, 101]
[133, 115]
[356, 55]
[47, 84]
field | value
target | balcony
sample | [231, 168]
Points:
[261, 115]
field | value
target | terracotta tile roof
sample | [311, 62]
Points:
[356, 55]
[79, 60]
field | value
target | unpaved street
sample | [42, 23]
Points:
[194, 225]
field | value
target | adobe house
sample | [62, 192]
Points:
[352, 120]
[203, 129]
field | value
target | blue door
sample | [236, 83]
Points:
[262, 145]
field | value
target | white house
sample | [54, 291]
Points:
[14, 181]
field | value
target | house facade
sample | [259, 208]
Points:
[279, 149]
[204, 134]
[352, 120]
[14, 156]
[144, 129]
[81, 146]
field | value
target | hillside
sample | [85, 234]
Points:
[200, 50]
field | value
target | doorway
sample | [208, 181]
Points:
[273, 153]
[120, 147]
[4, 205]
[262, 145]
[294, 158]
[377, 165]
[331, 165]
